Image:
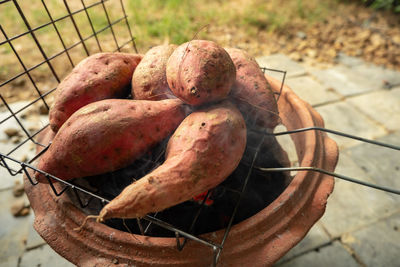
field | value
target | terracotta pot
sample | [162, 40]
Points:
[259, 240]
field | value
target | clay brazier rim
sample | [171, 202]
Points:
[264, 237]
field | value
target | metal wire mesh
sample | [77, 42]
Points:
[86, 42]
[41, 95]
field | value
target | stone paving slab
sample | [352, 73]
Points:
[7, 181]
[29, 118]
[379, 243]
[385, 77]
[34, 240]
[381, 164]
[352, 212]
[343, 117]
[281, 62]
[312, 91]
[352, 206]
[315, 238]
[334, 255]
[9, 262]
[381, 106]
[11, 122]
[286, 143]
[348, 61]
[43, 256]
[31, 122]
[13, 231]
[345, 80]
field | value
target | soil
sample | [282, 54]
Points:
[353, 30]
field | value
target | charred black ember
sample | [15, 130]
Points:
[216, 211]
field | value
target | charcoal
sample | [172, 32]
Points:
[262, 188]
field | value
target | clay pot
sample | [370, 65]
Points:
[257, 241]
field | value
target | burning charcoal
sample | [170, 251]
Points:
[262, 188]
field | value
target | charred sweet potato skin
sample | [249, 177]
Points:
[251, 91]
[107, 135]
[200, 72]
[100, 76]
[149, 81]
[203, 151]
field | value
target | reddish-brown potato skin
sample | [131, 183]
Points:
[100, 76]
[251, 91]
[108, 135]
[204, 150]
[149, 81]
[200, 72]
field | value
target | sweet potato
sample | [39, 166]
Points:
[109, 134]
[200, 72]
[149, 81]
[251, 91]
[204, 150]
[100, 76]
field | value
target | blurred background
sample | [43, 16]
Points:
[358, 93]
[310, 31]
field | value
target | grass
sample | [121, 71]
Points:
[230, 23]
[177, 21]
[35, 12]
[165, 21]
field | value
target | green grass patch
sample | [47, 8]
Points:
[155, 22]
[178, 21]
[158, 20]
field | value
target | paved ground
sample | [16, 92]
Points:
[360, 226]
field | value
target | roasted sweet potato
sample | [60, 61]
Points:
[100, 76]
[200, 72]
[109, 134]
[251, 91]
[204, 150]
[149, 81]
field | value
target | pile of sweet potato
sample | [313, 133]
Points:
[114, 107]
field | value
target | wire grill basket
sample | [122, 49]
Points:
[90, 24]
[40, 57]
